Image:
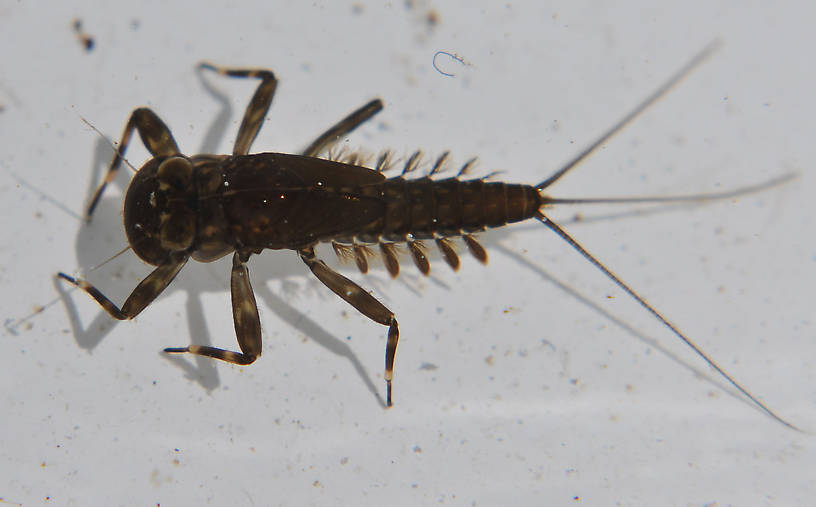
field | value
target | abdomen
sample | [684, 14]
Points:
[425, 208]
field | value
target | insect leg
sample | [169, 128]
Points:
[245, 318]
[363, 302]
[144, 293]
[156, 137]
[343, 127]
[258, 106]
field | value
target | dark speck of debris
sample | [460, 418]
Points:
[86, 40]
[432, 18]
[428, 366]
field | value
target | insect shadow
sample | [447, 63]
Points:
[105, 234]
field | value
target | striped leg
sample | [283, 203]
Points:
[363, 302]
[144, 293]
[156, 137]
[244, 316]
[343, 127]
[258, 106]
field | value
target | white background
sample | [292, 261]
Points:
[531, 381]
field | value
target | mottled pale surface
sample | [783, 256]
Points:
[508, 389]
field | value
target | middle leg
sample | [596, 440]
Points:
[257, 108]
[244, 316]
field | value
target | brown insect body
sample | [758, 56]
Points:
[207, 206]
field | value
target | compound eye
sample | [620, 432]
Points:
[175, 172]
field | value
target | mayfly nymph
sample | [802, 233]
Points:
[207, 206]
